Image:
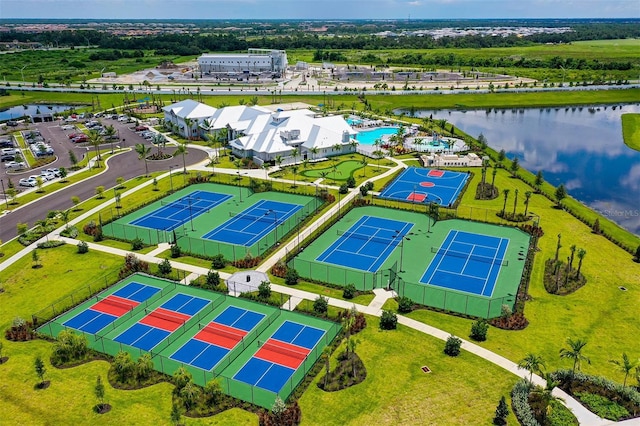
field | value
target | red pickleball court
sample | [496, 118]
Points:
[282, 353]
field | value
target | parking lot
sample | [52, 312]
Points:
[53, 138]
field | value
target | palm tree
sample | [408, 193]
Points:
[532, 363]
[324, 175]
[294, 169]
[494, 172]
[314, 152]
[379, 154]
[581, 254]
[64, 215]
[364, 163]
[515, 201]
[527, 196]
[265, 167]
[505, 192]
[625, 366]
[575, 353]
[573, 252]
[110, 132]
[326, 355]
[143, 151]
[159, 141]
[558, 247]
[294, 153]
[278, 160]
[545, 396]
[484, 175]
[182, 150]
[95, 139]
[353, 144]
[188, 123]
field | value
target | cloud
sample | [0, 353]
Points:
[415, 3]
[632, 179]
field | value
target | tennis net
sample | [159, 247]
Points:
[268, 218]
[211, 329]
[387, 241]
[167, 317]
[180, 205]
[470, 256]
[114, 302]
[282, 350]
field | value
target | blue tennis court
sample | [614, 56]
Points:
[467, 262]
[177, 212]
[422, 185]
[185, 304]
[94, 319]
[277, 359]
[216, 339]
[367, 244]
[252, 224]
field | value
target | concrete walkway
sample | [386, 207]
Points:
[585, 417]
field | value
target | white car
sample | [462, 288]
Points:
[123, 118]
[30, 181]
[54, 171]
[15, 165]
[70, 120]
[68, 127]
[46, 176]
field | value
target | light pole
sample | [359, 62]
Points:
[190, 214]
[22, 72]
[171, 177]
[275, 220]
[402, 238]
[4, 194]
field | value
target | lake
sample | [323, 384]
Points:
[581, 147]
[31, 109]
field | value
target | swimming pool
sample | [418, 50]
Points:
[368, 137]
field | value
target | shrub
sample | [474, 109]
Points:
[349, 291]
[176, 251]
[369, 186]
[351, 182]
[164, 267]
[90, 228]
[343, 189]
[98, 236]
[320, 305]
[83, 247]
[132, 265]
[452, 346]
[479, 330]
[264, 290]
[291, 277]
[217, 262]
[363, 191]
[137, 244]
[520, 403]
[212, 279]
[405, 305]
[502, 411]
[602, 406]
[388, 320]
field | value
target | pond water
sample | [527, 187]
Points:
[581, 147]
[22, 110]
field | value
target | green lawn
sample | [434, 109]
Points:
[631, 130]
[463, 390]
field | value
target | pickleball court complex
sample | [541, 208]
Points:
[209, 219]
[455, 265]
[256, 351]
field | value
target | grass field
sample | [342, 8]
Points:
[631, 130]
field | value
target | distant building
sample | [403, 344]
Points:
[451, 160]
[256, 60]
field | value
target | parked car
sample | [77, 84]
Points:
[12, 123]
[141, 128]
[80, 139]
[54, 171]
[123, 118]
[28, 182]
[46, 176]
[7, 157]
[75, 135]
[15, 165]
[70, 119]
[67, 127]
[91, 124]
[6, 143]
[9, 151]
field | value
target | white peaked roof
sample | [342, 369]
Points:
[234, 114]
[284, 130]
[190, 109]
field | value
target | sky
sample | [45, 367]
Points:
[318, 9]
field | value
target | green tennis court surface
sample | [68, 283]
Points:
[466, 267]
[205, 219]
[212, 335]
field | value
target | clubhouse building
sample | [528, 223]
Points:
[264, 135]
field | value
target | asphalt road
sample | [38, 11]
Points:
[126, 165]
